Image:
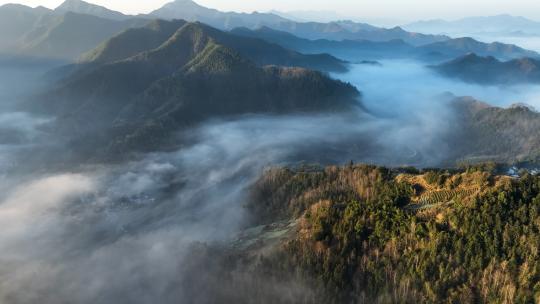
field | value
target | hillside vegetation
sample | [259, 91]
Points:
[124, 102]
[477, 242]
[497, 134]
[158, 32]
[491, 71]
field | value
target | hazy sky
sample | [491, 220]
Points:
[403, 10]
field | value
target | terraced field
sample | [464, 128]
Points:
[443, 196]
[430, 195]
[438, 198]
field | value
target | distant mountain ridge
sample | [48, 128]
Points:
[489, 70]
[191, 11]
[310, 15]
[73, 28]
[16, 20]
[495, 25]
[76, 27]
[354, 49]
[82, 7]
[460, 46]
[68, 35]
[37, 32]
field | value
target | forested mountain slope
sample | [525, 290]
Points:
[495, 134]
[358, 235]
[491, 71]
[196, 74]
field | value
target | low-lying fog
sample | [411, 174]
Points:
[122, 233]
[398, 87]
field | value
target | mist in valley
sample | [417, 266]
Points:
[129, 232]
[406, 87]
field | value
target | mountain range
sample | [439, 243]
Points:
[352, 50]
[141, 80]
[44, 33]
[148, 168]
[16, 20]
[82, 7]
[37, 31]
[137, 94]
[68, 35]
[308, 15]
[338, 30]
[26, 17]
[191, 11]
[60, 34]
[365, 49]
[502, 25]
[462, 46]
[489, 70]
[157, 32]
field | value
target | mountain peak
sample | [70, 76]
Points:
[185, 4]
[20, 7]
[171, 44]
[82, 7]
[523, 106]
[489, 70]
[471, 58]
[465, 39]
[73, 4]
[15, 5]
[217, 59]
[187, 10]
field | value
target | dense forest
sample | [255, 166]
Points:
[366, 234]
